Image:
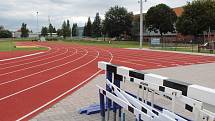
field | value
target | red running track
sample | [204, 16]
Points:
[31, 84]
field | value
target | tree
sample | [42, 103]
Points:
[44, 31]
[59, 32]
[89, 28]
[74, 29]
[66, 29]
[135, 30]
[51, 29]
[24, 30]
[54, 30]
[97, 27]
[197, 17]
[85, 30]
[5, 33]
[161, 18]
[1, 27]
[118, 21]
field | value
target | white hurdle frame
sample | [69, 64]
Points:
[193, 96]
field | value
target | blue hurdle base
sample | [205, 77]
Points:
[93, 109]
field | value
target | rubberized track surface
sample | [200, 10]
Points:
[31, 84]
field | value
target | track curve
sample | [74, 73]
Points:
[31, 84]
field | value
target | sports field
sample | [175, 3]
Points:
[31, 84]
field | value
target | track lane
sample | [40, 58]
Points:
[63, 79]
[27, 59]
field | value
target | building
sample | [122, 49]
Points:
[169, 37]
[151, 34]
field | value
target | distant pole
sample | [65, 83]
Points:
[49, 20]
[37, 24]
[141, 24]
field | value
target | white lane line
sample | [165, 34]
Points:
[21, 56]
[42, 70]
[57, 49]
[60, 96]
[65, 93]
[39, 64]
[34, 61]
[129, 62]
[24, 56]
[61, 75]
[154, 58]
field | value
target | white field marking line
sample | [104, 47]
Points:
[43, 70]
[161, 58]
[39, 64]
[155, 59]
[129, 60]
[36, 60]
[140, 59]
[60, 96]
[24, 56]
[21, 56]
[125, 61]
[145, 59]
[57, 49]
[152, 56]
[65, 93]
[61, 75]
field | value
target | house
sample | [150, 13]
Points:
[151, 34]
[169, 37]
[17, 34]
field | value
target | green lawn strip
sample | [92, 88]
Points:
[183, 49]
[10, 46]
[115, 44]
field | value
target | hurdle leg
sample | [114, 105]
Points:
[196, 114]
[122, 111]
[138, 118]
[173, 103]
[138, 92]
[153, 98]
[114, 111]
[115, 106]
[102, 106]
[123, 115]
[143, 94]
[108, 101]
[147, 92]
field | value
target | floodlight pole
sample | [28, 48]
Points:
[37, 24]
[141, 24]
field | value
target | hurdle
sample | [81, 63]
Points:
[191, 96]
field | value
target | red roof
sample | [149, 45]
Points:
[178, 11]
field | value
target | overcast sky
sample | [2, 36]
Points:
[14, 12]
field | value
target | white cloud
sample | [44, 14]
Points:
[14, 12]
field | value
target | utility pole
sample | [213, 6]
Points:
[37, 24]
[141, 23]
[49, 20]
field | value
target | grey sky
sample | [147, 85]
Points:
[14, 12]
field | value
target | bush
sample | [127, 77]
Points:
[5, 34]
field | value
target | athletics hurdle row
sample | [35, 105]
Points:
[191, 96]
